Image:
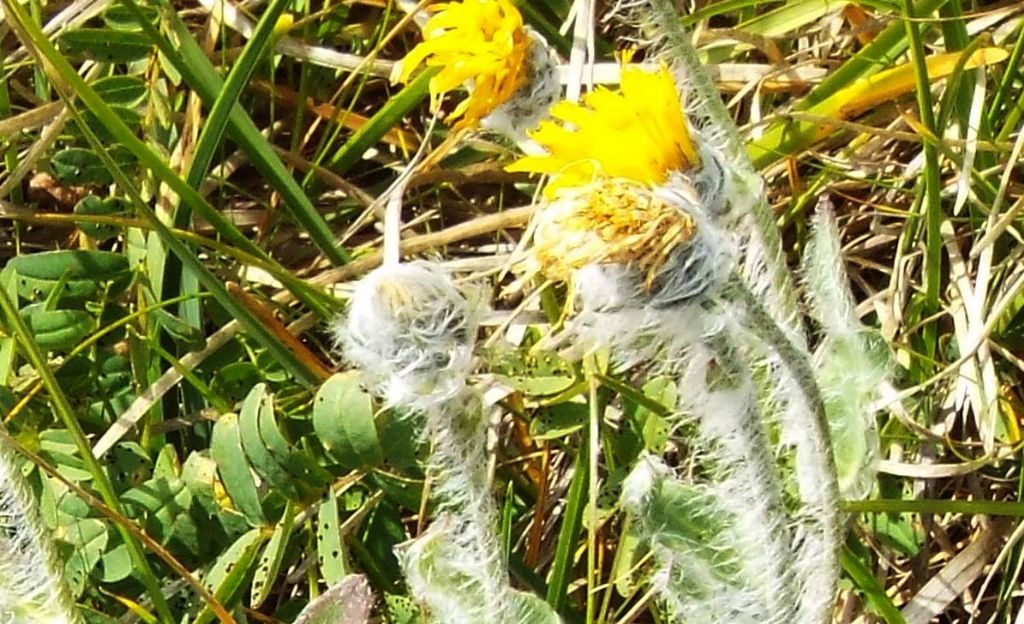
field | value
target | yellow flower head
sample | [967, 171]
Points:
[482, 41]
[613, 221]
[638, 133]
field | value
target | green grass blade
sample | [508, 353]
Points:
[1012, 73]
[936, 506]
[383, 120]
[124, 135]
[188, 59]
[213, 130]
[572, 519]
[873, 591]
[932, 202]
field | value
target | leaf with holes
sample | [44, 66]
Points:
[401, 610]
[229, 572]
[270, 560]
[559, 421]
[329, 547]
[347, 602]
[57, 330]
[78, 274]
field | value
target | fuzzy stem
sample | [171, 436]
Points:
[32, 588]
[804, 422]
[457, 568]
[764, 266]
[745, 449]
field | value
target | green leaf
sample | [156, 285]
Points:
[89, 538]
[401, 610]
[164, 504]
[186, 335]
[92, 205]
[76, 166]
[105, 45]
[542, 385]
[864, 580]
[186, 57]
[131, 119]
[386, 117]
[226, 576]
[527, 607]
[559, 421]
[329, 547]
[343, 420]
[57, 330]
[262, 460]
[298, 464]
[120, 18]
[226, 450]
[270, 561]
[653, 426]
[126, 91]
[79, 274]
[116, 565]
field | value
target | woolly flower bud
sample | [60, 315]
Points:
[668, 250]
[411, 331]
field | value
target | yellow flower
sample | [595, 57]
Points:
[482, 42]
[613, 221]
[638, 133]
